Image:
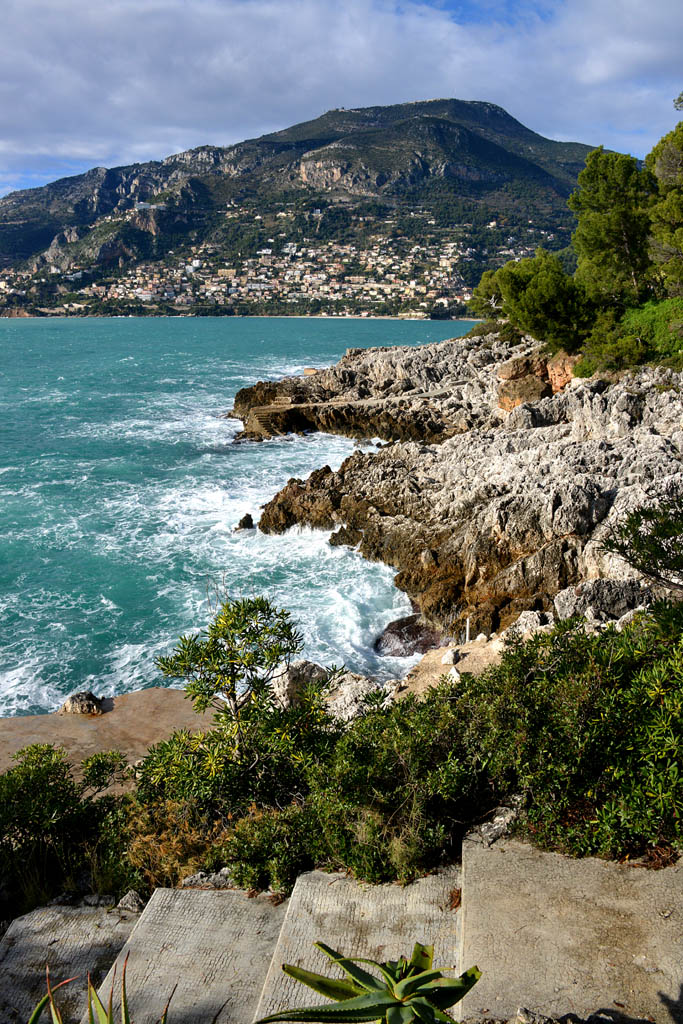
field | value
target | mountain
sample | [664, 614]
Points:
[462, 160]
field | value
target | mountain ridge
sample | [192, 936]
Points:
[466, 158]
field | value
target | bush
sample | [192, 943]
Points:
[590, 728]
[51, 825]
[652, 333]
[269, 849]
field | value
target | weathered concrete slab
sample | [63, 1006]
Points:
[72, 941]
[377, 921]
[214, 946]
[561, 936]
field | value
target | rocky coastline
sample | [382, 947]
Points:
[499, 476]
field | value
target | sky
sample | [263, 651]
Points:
[86, 83]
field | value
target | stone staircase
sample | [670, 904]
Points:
[559, 936]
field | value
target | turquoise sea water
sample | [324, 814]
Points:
[120, 489]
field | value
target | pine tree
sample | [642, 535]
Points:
[666, 243]
[611, 238]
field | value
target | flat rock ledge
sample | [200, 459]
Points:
[510, 508]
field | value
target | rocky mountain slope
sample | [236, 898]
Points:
[530, 471]
[473, 150]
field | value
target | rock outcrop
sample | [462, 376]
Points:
[509, 508]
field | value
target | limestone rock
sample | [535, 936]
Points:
[132, 901]
[83, 703]
[289, 680]
[347, 700]
[221, 879]
[245, 523]
[529, 623]
[450, 657]
[602, 599]
[513, 513]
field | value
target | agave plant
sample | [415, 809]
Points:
[409, 990]
[97, 1013]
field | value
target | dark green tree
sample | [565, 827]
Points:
[666, 242]
[235, 659]
[540, 299]
[612, 204]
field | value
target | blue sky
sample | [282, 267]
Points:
[85, 84]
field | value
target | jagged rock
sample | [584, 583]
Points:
[602, 599]
[450, 657]
[245, 523]
[529, 623]
[513, 511]
[407, 636]
[83, 703]
[221, 879]
[289, 680]
[132, 901]
[501, 821]
[347, 699]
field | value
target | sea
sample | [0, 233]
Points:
[121, 487]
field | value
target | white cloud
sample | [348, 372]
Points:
[138, 79]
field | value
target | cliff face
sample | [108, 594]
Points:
[510, 506]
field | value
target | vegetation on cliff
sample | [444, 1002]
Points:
[587, 727]
[623, 305]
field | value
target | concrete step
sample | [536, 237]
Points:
[215, 946]
[72, 941]
[560, 936]
[377, 921]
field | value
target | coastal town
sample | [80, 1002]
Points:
[386, 276]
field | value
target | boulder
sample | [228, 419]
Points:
[289, 680]
[407, 636]
[132, 901]
[529, 623]
[347, 699]
[245, 523]
[521, 390]
[561, 370]
[82, 703]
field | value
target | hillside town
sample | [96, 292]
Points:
[387, 276]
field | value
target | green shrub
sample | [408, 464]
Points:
[270, 848]
[50, 824]
[394, 794]
[590, 728]
[270, 768]
[652, 333]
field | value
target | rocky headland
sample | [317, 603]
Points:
[501, 476]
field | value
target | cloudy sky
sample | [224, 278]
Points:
[85, 83]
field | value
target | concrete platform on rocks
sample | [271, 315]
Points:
[561, 936]
[72, 941]
[376, 921]
[213, 947]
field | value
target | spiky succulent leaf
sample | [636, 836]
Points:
[367, 981]
[371, 1006]
[125, 1016]
[332, 988]
[445, 992]
[425, 1011]
[414, 982]
[423, 957]
[94, 1000]
[399, 1014]
[38, 1010]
